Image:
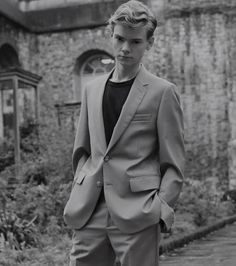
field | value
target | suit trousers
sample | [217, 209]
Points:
[101, 243]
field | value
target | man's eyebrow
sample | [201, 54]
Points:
[134, 39]
[137, 39]
[117, 35]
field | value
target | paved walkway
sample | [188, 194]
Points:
[217, 249]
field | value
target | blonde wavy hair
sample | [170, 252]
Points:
[134, 14]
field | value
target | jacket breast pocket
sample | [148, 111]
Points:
[144, 183]
[142, 117]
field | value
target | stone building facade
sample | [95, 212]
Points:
[195, 48]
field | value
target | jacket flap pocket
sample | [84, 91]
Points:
[142, 183]
[80, 177]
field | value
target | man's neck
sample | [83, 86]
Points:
[122, 74]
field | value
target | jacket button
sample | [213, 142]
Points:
[99, 183]
[107, 158]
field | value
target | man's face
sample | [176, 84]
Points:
[130, 44]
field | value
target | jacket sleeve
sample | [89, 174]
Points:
[81, 150]
[171, 151]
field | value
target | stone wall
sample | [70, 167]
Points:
[58, 53]
[195, 49]
[196, 57]
[23, 42]
[53, 56]
[232, 164]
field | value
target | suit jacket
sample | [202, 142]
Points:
[141, 170]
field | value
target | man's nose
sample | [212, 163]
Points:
[126, 48]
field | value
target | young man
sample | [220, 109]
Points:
[128, 154]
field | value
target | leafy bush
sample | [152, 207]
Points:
[29, 143]
[202, 200]
[6, 154]
[44, 182]
[29, 138]
[16, 232]
[46, 202]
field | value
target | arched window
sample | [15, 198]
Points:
[8, 57]
[96, 65]
[89, 66]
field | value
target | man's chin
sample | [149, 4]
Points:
[125, 62]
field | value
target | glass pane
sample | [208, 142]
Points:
[6, 85]
[99, 71]
[95, 62]
[88, 69]
[7, 113]
[99, 63]
[108, 63]
[26, 105]
[96, 65]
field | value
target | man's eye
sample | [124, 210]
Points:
[119, 38]
[136, 42]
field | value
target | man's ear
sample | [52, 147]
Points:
[150, 43]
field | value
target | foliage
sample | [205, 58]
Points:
[16, 232]
[51, 253]
[29, 137]
[29, 144]
[203, 201]
[40, 190]
[43, 186]
[46, 202]
[6, 154]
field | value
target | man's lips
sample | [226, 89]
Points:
[124, 57]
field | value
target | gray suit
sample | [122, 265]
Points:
[141, 170]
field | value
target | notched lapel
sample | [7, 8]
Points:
[137, 92]
[98, 113]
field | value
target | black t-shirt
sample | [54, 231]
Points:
[114, 97]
